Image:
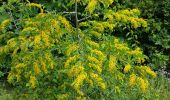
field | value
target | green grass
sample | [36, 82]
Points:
[163, 86]
[6, 92]
[160, 84]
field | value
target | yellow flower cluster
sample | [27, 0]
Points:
[33, 81]
[20, 65]
[132, 80]
[127, 68]
[71, 48]
[92, 43]
[43, 64]
[75, 70]
[127, 16]
[94, 62]
[71, 59]
[120, 46]
[29, 29]
[99, 81]
[92, 59]
[46, 38]
[80, 98]
[36, 67]
[98, 53]
[4, 24]
[41, 15]
[37, 41]
[112, 63]
[137, 51]
[97, 67]
[91, 6]
[66, 23]
[62, 96]
[133, 12]
[79, 80]
[36, 5]
[97, 34]
[147, 70]
[143, 84]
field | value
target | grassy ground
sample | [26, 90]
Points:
[160, 83]
[6, 92]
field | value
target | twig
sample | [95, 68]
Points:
[85, 18]
[69, 12]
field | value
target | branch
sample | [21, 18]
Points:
[69, 12]
[85, 18]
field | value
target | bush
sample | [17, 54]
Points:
[53, 58]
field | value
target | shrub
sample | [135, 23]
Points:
[51, 58]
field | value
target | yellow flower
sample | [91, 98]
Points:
[97, 34]
[43, 65]
[71, 48]
[120, 46]
[91, 6]
[14, 52]
[37, 41]
[132, 80]
[143, 84]
[36, 5]
[36, 67]
[71, 59]
[66, 23]
[98, 79]
[135, 11]
[49, 59]
[11, 77]
[150, 72]
[91, 43]
[127, 68]
[46, 38]
[120, 76]
[137, 51]
[80, 98]
[33, 81]
[62, 96]
[79, 80]
[75, 70]
[96, 67]
[12, 43]
[102, 85]
[99, 53]
[41, 15]
[28, 29]
[18, 76]
[20, 65]
[89, 81]
[112, 63]
[4, 24]
[92, 59]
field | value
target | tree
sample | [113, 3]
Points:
[52, 57]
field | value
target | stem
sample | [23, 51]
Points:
[85, 18]
[76, 17]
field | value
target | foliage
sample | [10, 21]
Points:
[156, 40]
[53, 58]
